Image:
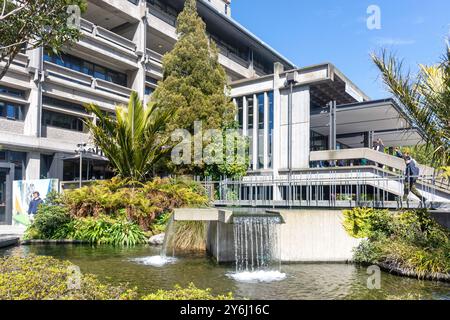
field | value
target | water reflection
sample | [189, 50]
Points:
[303, 281]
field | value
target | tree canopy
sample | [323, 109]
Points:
[194, 83]
[29, 24]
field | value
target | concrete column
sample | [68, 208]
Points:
[140, 39]
[33, 166]
[277, 84]
[300, 128]
[32, 121]
[57, 167]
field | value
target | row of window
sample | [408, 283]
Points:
[83, 66]
[11, 111]
[257, 109]
[61, 120]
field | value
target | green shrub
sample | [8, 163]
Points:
[410, 241]
[367, 252]
[141, 203]
[49, 223]
[106, 230]
[189, 293]
[356, 222]
[189, 235]
[46, 278]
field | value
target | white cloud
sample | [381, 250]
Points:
[387, 41]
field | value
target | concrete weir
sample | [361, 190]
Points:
[305, 235]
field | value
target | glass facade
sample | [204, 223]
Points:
[250, 115]
[11, 111]
[260, 152]
[270, 129]
[92, 69]
[19, 160]
[240, 108]
[61, 120]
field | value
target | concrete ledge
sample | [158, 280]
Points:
[7, 241]
[196, 214]
[63, 241]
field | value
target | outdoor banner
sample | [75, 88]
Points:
[23, 193]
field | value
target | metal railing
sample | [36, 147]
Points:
[368, 186]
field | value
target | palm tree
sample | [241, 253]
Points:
[426, 98]
[133, 141]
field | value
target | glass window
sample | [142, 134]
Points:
[240, 107]
[12, 91]
[60, 120]
[270, 128]
[260, 131]
[100, 73]
[10, 110]
[250, 111]
[149, 91]
[92, 69]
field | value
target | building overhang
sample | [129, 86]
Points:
[385, 118]
[228, 28]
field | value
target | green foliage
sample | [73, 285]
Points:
[133, 140]
[356, 222]
[189, 293]
[141, 204]
[235, 166]
[35, 23]
[46, 278]
[104, 230]
[194, 81]
[189, 235]
[50, 222]
[410, 240]
[426, 99]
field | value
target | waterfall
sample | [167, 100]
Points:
[168, 237]
[256, 244]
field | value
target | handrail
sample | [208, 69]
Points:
[98, 31]
[360, 153]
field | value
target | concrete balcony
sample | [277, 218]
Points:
[164, 24]
[76, 83]
[55, 133]
[12, 126]
[153, 63]
[18, 73]
[101, 42]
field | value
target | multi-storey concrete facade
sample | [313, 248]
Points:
[281, 108]
[123, 42]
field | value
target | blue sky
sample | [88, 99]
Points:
[314, 31]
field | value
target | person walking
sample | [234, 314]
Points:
[34, 205]
[411, 175]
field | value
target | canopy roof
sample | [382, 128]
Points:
[385, 118]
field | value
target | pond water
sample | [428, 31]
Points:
[301, 281]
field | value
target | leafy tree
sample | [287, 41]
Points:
[133, 140]
[29, 24]
[234, 165]
[426, 98]
[194, 83]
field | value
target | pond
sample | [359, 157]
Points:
[302, 281]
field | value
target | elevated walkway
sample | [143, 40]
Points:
[341, 182]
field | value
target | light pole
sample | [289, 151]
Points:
[81, 149]
[291, 80]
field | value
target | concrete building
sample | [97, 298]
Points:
[123, 41]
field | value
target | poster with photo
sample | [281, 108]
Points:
[23, 194]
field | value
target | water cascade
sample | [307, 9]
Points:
[257, 249]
